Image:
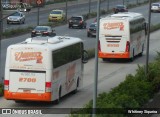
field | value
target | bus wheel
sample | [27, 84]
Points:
[106, 59]
[132, 58]
[59, 97]
[19, 101]
[77, 85]
[140, 54]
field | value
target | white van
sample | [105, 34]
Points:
[44, 68]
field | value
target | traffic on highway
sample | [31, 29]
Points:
[50, 64]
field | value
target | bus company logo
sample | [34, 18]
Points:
[27, 56]
[115, 25]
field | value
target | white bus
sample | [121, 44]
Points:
[44, 68]
[122, 35]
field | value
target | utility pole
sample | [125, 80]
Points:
[66, 9]
[39, 3]
[108, 5]
[1, 31]
[89, 7]
[148, 38]
[96, 62]
[37, 15]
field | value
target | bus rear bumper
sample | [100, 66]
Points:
[113, 55]
[27, 96]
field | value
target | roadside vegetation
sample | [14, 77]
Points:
[134, 92]
[1, 89]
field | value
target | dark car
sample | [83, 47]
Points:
[77, 21]
[92, 30]
[43, 31]
[120, 8]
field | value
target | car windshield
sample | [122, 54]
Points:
[155, 4]
[56, 12]
[41, 28]
[93, 25]
[76, 18]
[16, 14]
[120, 7]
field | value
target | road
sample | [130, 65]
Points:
[81, 33]
[77, 8]
[109, 75]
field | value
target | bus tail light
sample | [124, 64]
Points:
[99, 46]
[48, 86]
[127, 46]
[6, 84]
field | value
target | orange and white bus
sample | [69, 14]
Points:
[122, 35]
[44, 68]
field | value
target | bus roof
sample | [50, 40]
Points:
[125, 15]
[51, 43]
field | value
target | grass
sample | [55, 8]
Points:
[1, 89]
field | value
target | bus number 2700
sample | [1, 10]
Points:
[27, 79]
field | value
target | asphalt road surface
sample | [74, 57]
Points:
[77, 9]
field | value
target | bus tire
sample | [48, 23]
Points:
[59, 96]
[19, 101]
[140, 54]
[132, 58]
[106, 59]
[77, 85]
